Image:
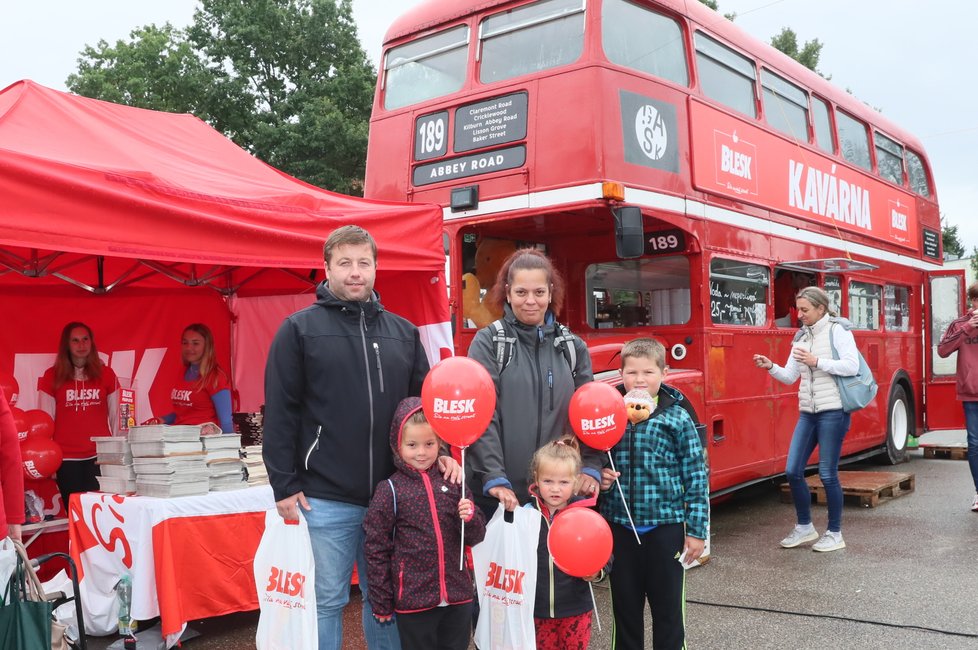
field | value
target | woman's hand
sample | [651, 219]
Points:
[383, 619]
[805, 357]
[450, 469]
[763, 362]
[465, 509]
[587, 485]
[608, 478]
[506, 497]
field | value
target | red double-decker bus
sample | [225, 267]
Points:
[687, 180]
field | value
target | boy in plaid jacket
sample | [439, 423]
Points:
[663, 477]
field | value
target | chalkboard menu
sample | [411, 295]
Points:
[932, 244]
[738, 293]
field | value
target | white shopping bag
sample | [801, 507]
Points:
[285, 577]
[8, 562]
[506, 580]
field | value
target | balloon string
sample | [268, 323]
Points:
[622, 493]
[594, 604]
[461, 553]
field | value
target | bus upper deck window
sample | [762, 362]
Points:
[824, 137]
[889, 158]
[918, 175]
[785, 106]
[853, 140]
[531, 38]
[426, 68]
[641, 39]
[725, 75]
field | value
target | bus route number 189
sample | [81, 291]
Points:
[431, 136]
[665, 241]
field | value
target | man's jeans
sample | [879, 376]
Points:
[336, 531]
[971, 423]
[827, 430]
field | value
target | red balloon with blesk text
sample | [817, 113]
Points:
[598, 415]
[41, 457]
[38, 425]
[579, 542]
[458, 398]
[20, 424]
[10, 387]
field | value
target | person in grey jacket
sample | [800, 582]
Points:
[535, 376]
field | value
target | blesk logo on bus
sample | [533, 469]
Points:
[749, 164]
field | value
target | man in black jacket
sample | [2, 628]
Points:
[336, 372]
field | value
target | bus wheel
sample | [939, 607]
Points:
[898, 426]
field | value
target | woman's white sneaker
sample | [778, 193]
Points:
[830, 542]
[974, 504]
[800, 535]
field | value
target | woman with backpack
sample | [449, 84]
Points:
[536, 364]
[822, 420]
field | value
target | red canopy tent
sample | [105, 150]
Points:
[139, 222]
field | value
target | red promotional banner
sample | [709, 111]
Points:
[136, 334]
[743, 162]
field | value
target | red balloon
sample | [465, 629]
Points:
[598, 415]
[458, 398]
[41, 457]
[579, 542]
[39, 425]
[20, 423]
[10, 387]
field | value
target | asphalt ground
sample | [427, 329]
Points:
[907, 579]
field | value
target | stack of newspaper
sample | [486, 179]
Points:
[223, 456]
[254, 465]
[169, 460]
[114, 459]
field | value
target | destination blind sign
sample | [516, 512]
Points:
[490, 122]
[462, 166]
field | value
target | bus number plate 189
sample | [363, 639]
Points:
[665, 241]
[431, 136]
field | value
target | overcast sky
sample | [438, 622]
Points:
[913, 60]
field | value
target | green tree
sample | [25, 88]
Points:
[952, 243]
[285, 79]
[807, 55]
[974, 260]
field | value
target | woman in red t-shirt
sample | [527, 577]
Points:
[80, 393]
[203, 393]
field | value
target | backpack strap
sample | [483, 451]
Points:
[505, 345]
[564, 341]
[835, 353]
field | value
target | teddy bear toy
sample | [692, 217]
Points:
[640, 405]
[489, 257]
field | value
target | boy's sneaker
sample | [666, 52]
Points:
[830, 542]
[800, 535]
[974, 504]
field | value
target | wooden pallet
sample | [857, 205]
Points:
[870, 488]
[939, 451]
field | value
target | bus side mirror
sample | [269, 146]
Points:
[629, 232]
